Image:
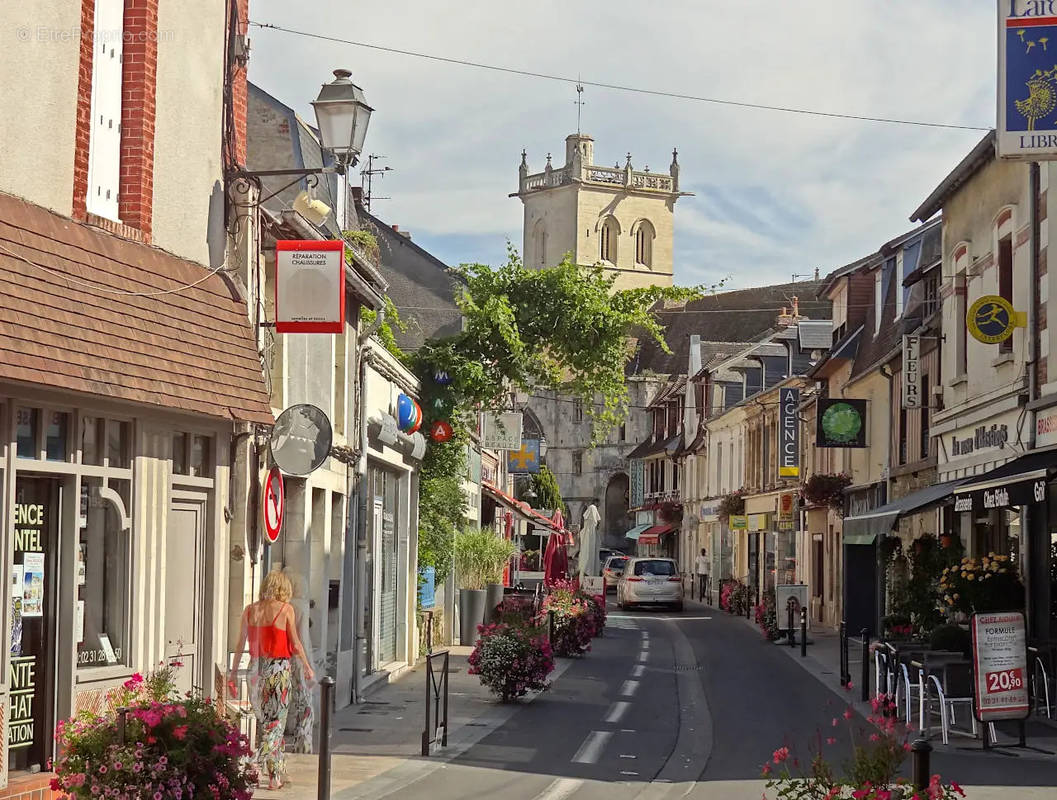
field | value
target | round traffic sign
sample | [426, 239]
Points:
[274, 504]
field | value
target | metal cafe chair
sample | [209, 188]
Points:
[953, 683]
[1040, 683]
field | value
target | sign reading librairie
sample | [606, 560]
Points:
[1027, 79]
[1000, 666]
[309, 287]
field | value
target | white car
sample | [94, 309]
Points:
[650, 581]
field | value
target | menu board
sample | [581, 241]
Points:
[1000, 666]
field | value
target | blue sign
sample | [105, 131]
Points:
[427, 587]
[525, 460]
[1027, 79]
[441, 377]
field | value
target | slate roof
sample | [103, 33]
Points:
[68, 324]
[420, 285]
[736, 316]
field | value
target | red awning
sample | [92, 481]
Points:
[526, 511]
[653, 535]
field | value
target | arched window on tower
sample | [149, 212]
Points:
[607, 240]
[644, 235]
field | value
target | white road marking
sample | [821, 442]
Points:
[617, 712]
[645, 644]
[626, 772]
[629, 688]
[627, 755]
[592, 747]
[644, 656]
[560, 789]
[637, 670]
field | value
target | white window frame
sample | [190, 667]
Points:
[899, 284]
[878, 300]
[104, 129]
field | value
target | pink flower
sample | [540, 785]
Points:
[874, 737]
[831, 740]
[958, 789]
[834, 722]
[849, 687]
[766, 769]
[781, 754]
[847, 713]
[180, 732]
[906, 746]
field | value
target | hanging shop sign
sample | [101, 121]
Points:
[274, 504]
[991, 319]
[1000, 666]
[788, 433]
[441, 431]
[1027, 80]
[912, 372]
[738, 522]
[501, 431]
[408, 413]
[840, 423]
[526, 459]
[786, 507]
[441, 378]
[636, 483]
[309, 287]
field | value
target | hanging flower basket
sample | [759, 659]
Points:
[826, 489]
[732, 505]
[671, 511]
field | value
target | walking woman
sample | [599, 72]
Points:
[269, 628]
[302, 707]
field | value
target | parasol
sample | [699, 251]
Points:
[555, 559]
[588, 562]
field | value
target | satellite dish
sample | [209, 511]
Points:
[301, 439]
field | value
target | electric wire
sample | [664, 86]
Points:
[614, 86]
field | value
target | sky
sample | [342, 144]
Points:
[775, 194]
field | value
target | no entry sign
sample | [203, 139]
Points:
[1000, 666]
[274, 505]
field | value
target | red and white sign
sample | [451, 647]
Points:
[1000, 666]
[309, 287]
[274, 505]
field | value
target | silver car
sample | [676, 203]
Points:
[654, 581]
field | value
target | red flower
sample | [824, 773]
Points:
[180, 732]
[781, 754]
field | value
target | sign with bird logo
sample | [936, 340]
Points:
[991, 319]
[1027, 79]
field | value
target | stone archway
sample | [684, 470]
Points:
[616, 519]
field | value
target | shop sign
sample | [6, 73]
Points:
[991, 319]
[501, 431]
[840, 423]
[981, 439]
[309, 287]
[708, 513]
[784, 594]
[786, 506]
[739, 522]
[636, 483]
[759, 522]
[1046, 429]
[1000, 666]
[788, 433]
[1026, 80]
[1012, 495]
[525, 459]
[912, 372]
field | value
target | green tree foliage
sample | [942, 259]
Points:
[548, 495]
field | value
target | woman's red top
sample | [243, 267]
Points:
[269, 641]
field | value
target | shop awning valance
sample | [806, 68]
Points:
[634, 533]
[653, 535]
[864, 528]
[521, 509]
[1020, 482]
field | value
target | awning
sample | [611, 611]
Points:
[1020, 482]
[653, 535]
[518, 507]
[864, 528]
[634, 532]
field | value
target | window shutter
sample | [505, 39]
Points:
[104, 146]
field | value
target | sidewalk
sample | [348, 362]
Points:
[380, 740]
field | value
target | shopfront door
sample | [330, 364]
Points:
[184, 590]
[31, 716]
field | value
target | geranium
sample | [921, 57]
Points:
[878, 753]
[170, 746]
[511, 660]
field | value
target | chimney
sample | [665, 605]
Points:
[405, 234]
[796, 307]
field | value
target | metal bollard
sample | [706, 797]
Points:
[843, 654]
[803, 633]
[921, 770]
[122, 717]
[326, 692]
[792, 635]
[865, 687]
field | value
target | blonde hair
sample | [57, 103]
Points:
[276, 586]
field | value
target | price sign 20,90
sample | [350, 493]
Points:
[1004, 681]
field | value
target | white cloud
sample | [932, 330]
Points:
[812, 191]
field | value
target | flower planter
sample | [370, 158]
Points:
[472, 604]
[493, 597]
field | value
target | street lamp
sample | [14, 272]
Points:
[342, 115]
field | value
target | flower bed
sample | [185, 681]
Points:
[767, 618]
[575, 624]
[171, 747]
[511, 660]
[734, 597]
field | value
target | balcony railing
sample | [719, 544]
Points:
[608, 176]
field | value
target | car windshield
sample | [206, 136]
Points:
[616, 563]
[654, 568]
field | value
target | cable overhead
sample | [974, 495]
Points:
[618, 87]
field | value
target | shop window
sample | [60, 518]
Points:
[92, 437]
[179, 454]
[101, 618]
[117, 443]
[202, 456]
[27, 423]
[56, 445]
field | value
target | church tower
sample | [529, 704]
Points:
[618, 217]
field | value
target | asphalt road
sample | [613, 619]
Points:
[672, 705]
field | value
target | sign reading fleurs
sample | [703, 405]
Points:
[912, 372]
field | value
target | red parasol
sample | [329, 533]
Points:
[555, 559]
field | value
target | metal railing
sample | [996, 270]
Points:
[436, 732]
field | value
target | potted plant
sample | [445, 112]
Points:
[986, 584]
[826, 489]
[511, 659]
[480, 556]
[732, 505]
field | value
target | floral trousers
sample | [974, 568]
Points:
[271, 697]
[301, 715]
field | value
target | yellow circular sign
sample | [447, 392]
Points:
[991, 319]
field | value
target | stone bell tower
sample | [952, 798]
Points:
[618, 217]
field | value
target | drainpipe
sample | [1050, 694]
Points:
[1029, 514]
[360, 550]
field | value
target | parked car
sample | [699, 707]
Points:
[605, 553]
[652, 581]
[613, 569]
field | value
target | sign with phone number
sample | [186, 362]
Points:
[1000, 663]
